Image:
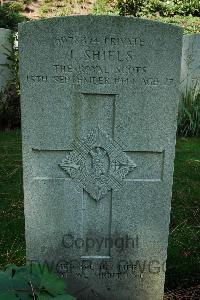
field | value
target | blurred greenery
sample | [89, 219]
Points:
[184, 239]
[34, 281]
[12, 243]
[10, 95]
[10, 15]
[189, 114]
[104, 7]
[165, 8]
[144, 9]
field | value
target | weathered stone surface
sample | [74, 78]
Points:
[99, 105]
[5, 45]
[190, 65]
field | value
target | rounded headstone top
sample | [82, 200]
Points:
[122, 20]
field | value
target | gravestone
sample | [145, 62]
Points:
[99, 105]
[5, 47]
[190, 65]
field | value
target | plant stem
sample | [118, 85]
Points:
[34, 298]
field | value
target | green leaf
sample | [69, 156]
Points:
[59, 297]
[65, 297]
[52, 283]
[45, 297]
[5, 282]
[11, 269]
[25, 297]
[17, 283]
[27, 275]
[13, 286]
[8, 296]
[48, 280]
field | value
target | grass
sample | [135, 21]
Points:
[188, 23]
[183, 252]
[12, 244]
[184, 241]
[52, 8]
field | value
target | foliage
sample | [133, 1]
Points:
[186, 7]
[9, 108]
[10, 96]
[103, 7]
[160, 7]
[13, 60]
[16, 6]
[189, 114]
[55, 8]
[51, 8]
[170, 8]
[131, 7]
[27, 2]
[10, 16]
[189, 24]
[31, 282]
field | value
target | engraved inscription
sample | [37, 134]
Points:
[84, 69]
[83, 40]
[97, 164]
[100, 61]
[100, 80]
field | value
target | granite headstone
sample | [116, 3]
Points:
[5, 47]
[190, 65]
[99, 99]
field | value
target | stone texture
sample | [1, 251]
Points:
[99, 105]
[4, 45]
[190, 65]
